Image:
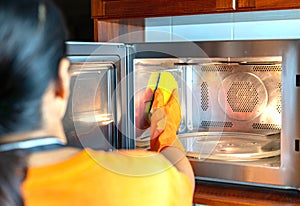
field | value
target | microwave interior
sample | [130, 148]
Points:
[231, 107]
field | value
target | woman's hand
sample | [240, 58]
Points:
[141, 122]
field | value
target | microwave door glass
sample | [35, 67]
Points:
[89, 118]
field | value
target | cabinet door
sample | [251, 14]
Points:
[267, 4]
[123, 30]
[120, 9]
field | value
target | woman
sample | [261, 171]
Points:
[36, 166]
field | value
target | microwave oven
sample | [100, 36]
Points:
[240, 104]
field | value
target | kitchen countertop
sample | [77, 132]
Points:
[223, 194]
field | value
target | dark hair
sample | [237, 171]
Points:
[32, 36]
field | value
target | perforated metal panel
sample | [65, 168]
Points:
[236, 96]
[267, 68]
[204, 96]
[207, 124]
[216, 68]
[242, 96]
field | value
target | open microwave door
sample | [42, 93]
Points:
[98, 106]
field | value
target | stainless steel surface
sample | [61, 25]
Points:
[214, 49]
[241, 97]
[229, 146]
[240, 87]
[95, 115]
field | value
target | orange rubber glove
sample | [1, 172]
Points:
[165, 121]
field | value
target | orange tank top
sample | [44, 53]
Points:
[108, 178]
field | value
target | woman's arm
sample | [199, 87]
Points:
[165, 121]
[180, 161]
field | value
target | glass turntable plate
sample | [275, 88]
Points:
[230, 146]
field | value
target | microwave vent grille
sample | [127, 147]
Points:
[278, 105]
[210, 124]
[242, 96]
[267, 68]
[265, 126]
[230, 67]
[216, 68]
[204, 96]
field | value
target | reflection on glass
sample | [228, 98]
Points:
[90, 117]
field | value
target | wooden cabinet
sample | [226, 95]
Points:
[225, 194]
[127, 9]
[123, 20]
[125, 30]
[124, 9]
[255, 5]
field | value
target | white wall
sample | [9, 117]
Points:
[282, 24]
